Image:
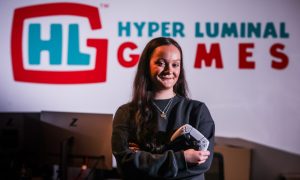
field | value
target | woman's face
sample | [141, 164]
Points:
[165, 67]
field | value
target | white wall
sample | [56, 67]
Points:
[258, 104]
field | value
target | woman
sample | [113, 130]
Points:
[159, 106]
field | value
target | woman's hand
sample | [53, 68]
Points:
[134, 147]
[195, 157]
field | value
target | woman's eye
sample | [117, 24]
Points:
[176, 65]
[161, 63]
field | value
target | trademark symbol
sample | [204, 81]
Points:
[104, 5]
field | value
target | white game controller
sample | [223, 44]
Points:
[192, 136]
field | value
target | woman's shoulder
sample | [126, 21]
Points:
[189, 101]
[123, 114]
[125, 106]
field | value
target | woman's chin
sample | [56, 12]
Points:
[167, 86]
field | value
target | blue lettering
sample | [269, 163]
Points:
[53, 45]
[75, 57]
[139, 28]
[283, 33]
[165, 29]
[124, 28]
[153, 27]
[198, 32]
[210, 32]
[243, 30]
[229, 29]
[252, 29]
[270, 30]
[178, 28]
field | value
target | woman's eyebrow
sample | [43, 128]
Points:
[164, 59]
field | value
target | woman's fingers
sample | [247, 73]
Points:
[133, 147]
[201, 162]
[204, 153]
[198, 157]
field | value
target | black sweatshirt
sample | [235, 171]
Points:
[168, 164]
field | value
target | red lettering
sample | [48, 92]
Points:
[243, 54]
[277, 54]
[208, 57]
[134, 58]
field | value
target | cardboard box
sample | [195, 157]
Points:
[237, 162]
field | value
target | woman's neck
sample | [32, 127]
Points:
[164, 94]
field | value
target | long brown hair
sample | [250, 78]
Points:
[144, 112]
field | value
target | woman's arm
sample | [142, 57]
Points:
[133, 163]
[201, 119]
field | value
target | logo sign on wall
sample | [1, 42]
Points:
[69, 65]
[54, 45]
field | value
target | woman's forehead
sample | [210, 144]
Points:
[169, 52]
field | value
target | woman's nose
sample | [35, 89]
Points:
[168, 67]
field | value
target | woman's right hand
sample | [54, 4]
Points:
[134, 147]
[195, 157]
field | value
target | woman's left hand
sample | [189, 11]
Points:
[134, 147]
[195, 157]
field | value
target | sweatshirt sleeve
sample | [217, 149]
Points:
[133, 164]
[200, 118]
